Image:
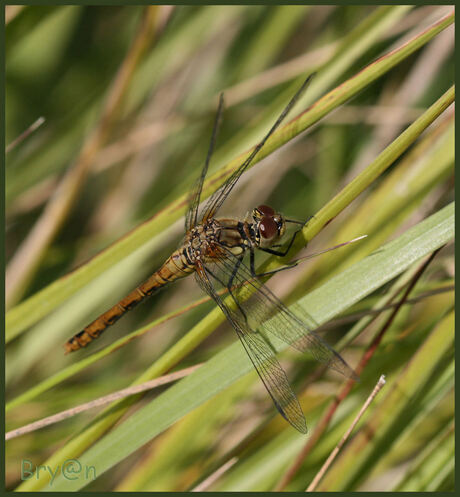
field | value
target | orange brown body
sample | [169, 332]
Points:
[204, 242]
[173, 269]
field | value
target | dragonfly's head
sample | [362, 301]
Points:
[270, 225]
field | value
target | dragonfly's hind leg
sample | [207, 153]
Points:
[228, 286]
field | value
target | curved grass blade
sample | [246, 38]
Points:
[226, 367]
[31, 310]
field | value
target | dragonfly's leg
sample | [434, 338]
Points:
[266, 273]
[234, 271]
[229, 286]
[302, 223]
[291, 241]
[281, 253]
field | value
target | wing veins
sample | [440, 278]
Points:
[262, 357]
[282, 322]
[221, 194]
[191, 217]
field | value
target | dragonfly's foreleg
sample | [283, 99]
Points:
[283, 253]
[278, 253]
[254, 274]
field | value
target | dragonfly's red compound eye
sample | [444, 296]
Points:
[268, 228]
[266, 210]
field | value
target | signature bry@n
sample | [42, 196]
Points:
[71, 469]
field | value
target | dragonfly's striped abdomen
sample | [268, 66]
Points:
[176, 266]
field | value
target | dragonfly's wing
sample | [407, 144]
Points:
[191, 217]
[218, 197]
[269, 314]
[260, 353]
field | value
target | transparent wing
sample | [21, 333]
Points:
[260, 353]
[191, 217]
[218, 197]
[264, 311]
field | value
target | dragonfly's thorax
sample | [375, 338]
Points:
[216, 238]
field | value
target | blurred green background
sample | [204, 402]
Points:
[144, 152]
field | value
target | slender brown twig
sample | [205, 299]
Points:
[366, 357]
[33, 127]
[337, 448]
[106, 399]
[211, 479]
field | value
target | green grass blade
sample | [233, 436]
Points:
[39, 305]
[338, 203]
[393, 411]
[226, 367]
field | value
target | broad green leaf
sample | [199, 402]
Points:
[230, 364]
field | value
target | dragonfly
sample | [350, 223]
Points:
[217, 250]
